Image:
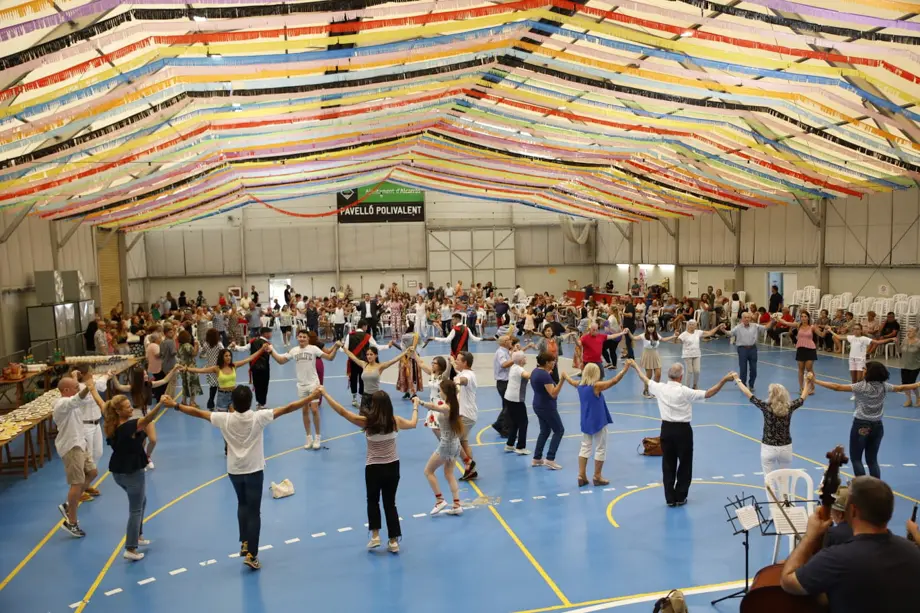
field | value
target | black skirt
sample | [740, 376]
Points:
[804, 354]
[908, 376]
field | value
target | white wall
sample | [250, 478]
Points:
[552, 279]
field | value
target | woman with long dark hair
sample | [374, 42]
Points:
[448, 451]
[372, 368]
[381, 471]
[437, 372]
[650, 361]
[140, 391]
[910, 363]
[125, 436]
[867, 430]
[225, 371]
[545, 393]
[806, 351]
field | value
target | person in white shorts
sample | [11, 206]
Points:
[859, 345]
[690, 353]
[305, 356]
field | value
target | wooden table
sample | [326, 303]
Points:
[21, 384]
[10, 463]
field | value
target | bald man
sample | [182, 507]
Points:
[71, 446]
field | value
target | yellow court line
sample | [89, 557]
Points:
[807, 459]
[517, 541]
[728, 585]
[47, 537]
[108, 565]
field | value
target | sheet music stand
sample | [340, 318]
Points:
[744, 515]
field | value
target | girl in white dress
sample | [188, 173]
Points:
[436, 373]
[650, 360]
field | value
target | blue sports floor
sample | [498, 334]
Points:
[532, 541]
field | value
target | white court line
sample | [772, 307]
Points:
[653, 597]
[234, 555]
[718, 477]
[759, 473]
[738, 475]
[911, 465]
[631, 487]
[178, 571]
[586, 492]
[885, 465]
[345, 529]
[653, 484]
[562, 495]
[610, 489]
[207, 563]
[76, 604]
[539, 497]
[417, 515]
[284, 380]
[318, 534]
[515, 500]
[264, 547]
[117, 590]
[146, 581]
[291, 541]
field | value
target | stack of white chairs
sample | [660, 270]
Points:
[845, 299]
[868, 305]
[826, 301]
[883, 306]
[899, 298]
[741, 295]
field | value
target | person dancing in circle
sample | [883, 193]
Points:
[448, 451]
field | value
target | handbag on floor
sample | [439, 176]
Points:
[283, 489]
[672, 603]
[651, 445]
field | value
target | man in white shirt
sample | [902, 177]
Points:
[245, 303]
[501, 367]
[520, 296]
[92, 418]
[469, 411]
[675, 403]
[305, 356]
[448, 291]
[242, 431]
[70, 443]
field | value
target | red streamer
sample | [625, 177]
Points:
[327, 213]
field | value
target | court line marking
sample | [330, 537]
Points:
[146, 581]
[178, 571]
[57, 525]
[620, 601]
[117, 590]
[807, 459]
[292, 541]
[517, 541]
[108, 565]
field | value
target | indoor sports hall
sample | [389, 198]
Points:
[560, 306]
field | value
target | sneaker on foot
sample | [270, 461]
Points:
[509, 449]
[681, 503]
[440, 506]
[316, 442]
[354, 401]
[522, 451]
[134, 556]
[63, 509]
[537, 463]
[550, 464]
[309, 444]
[149, 466]
[73, 530]
[142, 542]
[455, 511]
[252, 562]
[852, 398]
[374, 543]
[393, 546]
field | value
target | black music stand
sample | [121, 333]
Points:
[744, 515]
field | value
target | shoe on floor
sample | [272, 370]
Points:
[85, 497]
[681, 503]
[63, 509]
[93, 492]
[537, 462]
[672, 504]
[600, 482]
[244, 549]
[73, 530]
[142, 542]
[440, 506]
[393, 547]
[252, 562]
[582, 482]
[134, 556]
[149, 466]
[455, 511]
[852, 398]
[550, 464]
[522, 451]
[309, 444]
[316, 442]
[509, 449]
[470, 477]
[374, 543]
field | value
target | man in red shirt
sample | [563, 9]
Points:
[592, 344]
[781, 326]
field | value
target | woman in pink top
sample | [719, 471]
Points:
[805, 350]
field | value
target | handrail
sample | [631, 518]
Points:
[72, 345]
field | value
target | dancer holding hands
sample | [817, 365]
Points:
[450, 428]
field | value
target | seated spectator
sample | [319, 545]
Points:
[888, 333]
[784, 322]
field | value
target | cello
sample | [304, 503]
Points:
[766, 594]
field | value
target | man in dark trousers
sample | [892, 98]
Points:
[629, 323]
[358, 342]
[260, 368]
[459, 339]
[370, 312]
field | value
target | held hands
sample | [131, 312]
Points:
[169, 401]
[810, 376]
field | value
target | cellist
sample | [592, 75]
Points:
[358, 341]
[459, 339]
[874, 572]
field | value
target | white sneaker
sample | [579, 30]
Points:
[550, 464]
[374, 543]
[509, 449]
[143, 542]
[393, 547]
[316, 442]
[149, 466]
[354, 401]
[852, 398]
[522, 451]
[309, 444]
[133, 556]
[440, 506]
[455, 511]
[537, 463]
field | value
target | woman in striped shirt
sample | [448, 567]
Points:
[381, 471]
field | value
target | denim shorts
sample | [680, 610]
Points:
[223, 399]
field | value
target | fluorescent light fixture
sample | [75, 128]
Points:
[623, 266]
[236, 105]
[666, 267]
[646, 266]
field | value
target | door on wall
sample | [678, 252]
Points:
[693, 283]
[472, 256]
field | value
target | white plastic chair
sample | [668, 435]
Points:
[785, 484]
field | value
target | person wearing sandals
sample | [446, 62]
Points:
[381, 470]
[436, 373]
[777, 409]
[594, 420]
[545, 393]
[910, 364]
[243, 429]
[125, 435]
[450, 428]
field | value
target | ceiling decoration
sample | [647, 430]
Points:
[149, 114]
